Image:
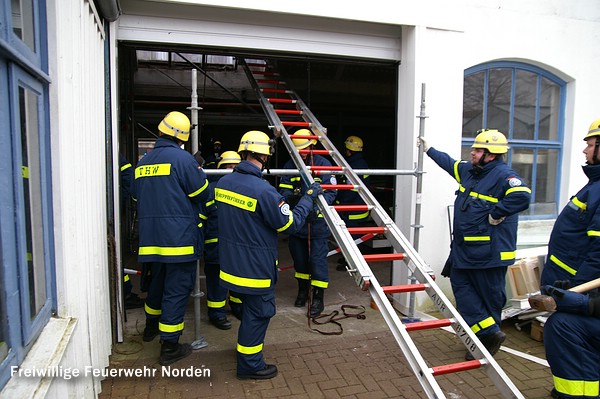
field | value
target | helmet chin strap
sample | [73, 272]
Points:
[596, 146]
[264, 164]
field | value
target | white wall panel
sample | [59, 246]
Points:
[79, 177]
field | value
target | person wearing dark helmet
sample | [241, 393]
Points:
[484, 241]
[248, 252]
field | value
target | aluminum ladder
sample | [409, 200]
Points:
[284, 109]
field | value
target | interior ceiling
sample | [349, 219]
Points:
[348, 96]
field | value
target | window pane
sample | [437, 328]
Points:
[36, 276]
[545, 182]
[549, 109]
[524, 112]
[22, 21]
[499, 89]
[473, 104]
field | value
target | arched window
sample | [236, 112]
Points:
[526, 103]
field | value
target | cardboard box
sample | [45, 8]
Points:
[537, 331]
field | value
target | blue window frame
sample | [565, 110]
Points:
[527, 104]
[27, 282]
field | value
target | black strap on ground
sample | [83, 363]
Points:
[348, 311]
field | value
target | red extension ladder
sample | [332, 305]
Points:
[284, 109]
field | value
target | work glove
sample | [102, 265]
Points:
[314, 190]
[562, 284]
[423, 143]
[568, 301]
[495, 222]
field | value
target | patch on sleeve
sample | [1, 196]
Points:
[285, 208]
[333, 180]
[514, 181]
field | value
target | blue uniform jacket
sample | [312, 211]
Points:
[169, 187]
[251, 212]
[351, 197]
[291, 186]
[494, 190]
[574, 247]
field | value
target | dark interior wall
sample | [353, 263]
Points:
[348, 97]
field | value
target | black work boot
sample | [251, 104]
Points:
[317, 305]
[302, 293]
[170, 352]
[151, 329]
[491, 342]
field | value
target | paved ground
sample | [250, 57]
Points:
[363, 362]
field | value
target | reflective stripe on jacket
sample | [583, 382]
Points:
[251, 212]
[293, 185]
[494, 190]
[574, 247]
[169, 188]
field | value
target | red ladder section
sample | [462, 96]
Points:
[300, 116]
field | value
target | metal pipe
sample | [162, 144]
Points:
[295, 172]
[199, 342]
[417, 225]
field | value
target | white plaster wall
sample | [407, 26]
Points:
[77, 112]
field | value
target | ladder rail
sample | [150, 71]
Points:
[361, 271]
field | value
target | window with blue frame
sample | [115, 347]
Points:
[27, 294]
[526, 103]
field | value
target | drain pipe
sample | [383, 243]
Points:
[109, 9]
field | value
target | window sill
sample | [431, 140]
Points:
[45, 354]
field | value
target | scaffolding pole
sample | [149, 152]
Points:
[199, 341]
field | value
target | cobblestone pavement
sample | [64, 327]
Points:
[363, 362]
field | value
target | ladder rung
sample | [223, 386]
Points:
[281, 91]
[454, 367]
[308, 137]
[320, 167]
[271, 81]
[366, 230]
[288, 111]
[384, 257]
[337, 186]
[301, 124]
[351, 208]
[397, 289]
[428, 324]
[319, 152]
[281, 100]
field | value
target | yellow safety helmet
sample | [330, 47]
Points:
[594, 129]
[175, 124]
[301, 144]
[354, 143]
[229, 157]
[491, 140]
[258, 142]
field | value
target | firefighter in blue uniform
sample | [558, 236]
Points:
[251, 212]
[308, 246]
[489, 197]
[354, 157]
[169, 190]
[216, 296]
[571, 334]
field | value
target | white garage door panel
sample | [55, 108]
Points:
[248, 36]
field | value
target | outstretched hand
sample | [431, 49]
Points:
[421, 142]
